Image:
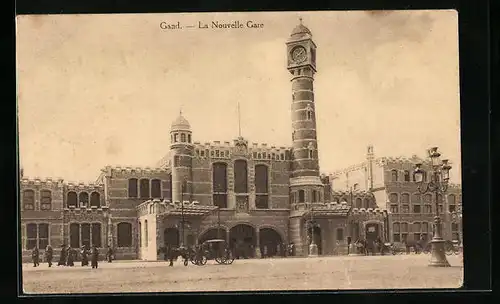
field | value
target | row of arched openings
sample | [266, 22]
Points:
[82, 199]
[406, 176]
[403, 231]
[300, 196]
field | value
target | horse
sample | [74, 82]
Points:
[173, 253]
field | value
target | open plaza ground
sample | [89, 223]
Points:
[321, 273]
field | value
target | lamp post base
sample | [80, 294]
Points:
[438, 256]
[313, 250]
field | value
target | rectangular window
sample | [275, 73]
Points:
[31, 236]
[43, 235]
[202, 153]
[220, 200]
[261, 202]
[455, 236]
[452, 208]
[216, 153]
[404, 237]
[416, 236]
[86, 235]
[441, 209]
[405, 209]
[96, 235]
[394, 208]
[74, 235]
[397, 237]
[428, 209]
[417, 209]
[340, 234]
[29, 200]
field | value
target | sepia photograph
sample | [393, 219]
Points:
[227, 152]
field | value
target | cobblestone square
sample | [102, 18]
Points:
[322, 273]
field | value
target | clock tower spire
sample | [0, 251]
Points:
[306, 187]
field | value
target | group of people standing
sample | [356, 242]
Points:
[69, 256]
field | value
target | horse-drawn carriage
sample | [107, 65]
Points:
[216, 249]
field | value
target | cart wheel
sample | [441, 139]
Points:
[186, 262]
[203, 260]
[229, 261]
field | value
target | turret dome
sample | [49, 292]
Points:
[180, 123]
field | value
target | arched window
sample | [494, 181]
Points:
[189, 138]
[309, 114]
[144, 188]
[124, 235]
[29, 200]
[169, 193]
[359, 203]
[45, 200]
[301, 196]
[146, 237]
[72, 199]
[132, 187]
[261, 187]
[393, 198]
[311, 154]
[394, 175]
[405, 201]
[156, 188]
[219, 187]
[95, 200]
[407, 176]
[240, 176]
[183, 137]
[176, 137]
[83, 198]
[367, 203]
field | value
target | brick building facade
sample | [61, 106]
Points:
[259, 195]
[390, 181]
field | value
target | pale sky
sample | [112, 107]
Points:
[97, 90]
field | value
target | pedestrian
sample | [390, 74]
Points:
[109, 254]
[63, 256]
[35, 255]
[85, 252]
[264, 255]
[49, 255]
[95, 257]
[71, 257]
[170, 254]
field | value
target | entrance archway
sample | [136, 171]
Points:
[271, 240]
[317, 238]
[212, 234]
[171, 237]
[372, 231]
[242, 241]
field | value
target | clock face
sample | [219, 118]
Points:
[299, 54]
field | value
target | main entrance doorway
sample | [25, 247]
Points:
[271, 243]
[242, 241]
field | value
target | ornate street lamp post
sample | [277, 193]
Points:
[438, 184]
[183, 189]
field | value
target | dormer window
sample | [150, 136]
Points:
[183, 137]
[176, 137]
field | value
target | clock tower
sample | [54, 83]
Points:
[306, 187]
